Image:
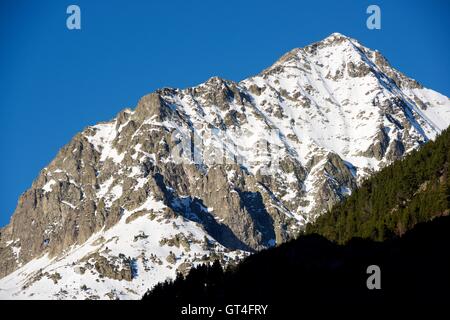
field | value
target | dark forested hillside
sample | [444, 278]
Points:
[392, 201]
[312, 273]
[396, 221]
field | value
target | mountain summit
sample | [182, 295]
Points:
[212, 172]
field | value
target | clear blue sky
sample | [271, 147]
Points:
[54, 82]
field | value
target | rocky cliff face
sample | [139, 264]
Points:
[213, 171]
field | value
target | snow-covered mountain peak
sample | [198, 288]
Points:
[336, 35]
[335, 39]
[212, 172]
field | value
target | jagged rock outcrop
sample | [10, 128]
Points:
[232, 167]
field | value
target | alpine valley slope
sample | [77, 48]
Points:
[212, 172]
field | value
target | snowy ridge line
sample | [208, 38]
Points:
[212, 172]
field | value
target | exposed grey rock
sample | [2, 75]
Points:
[113, 168]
